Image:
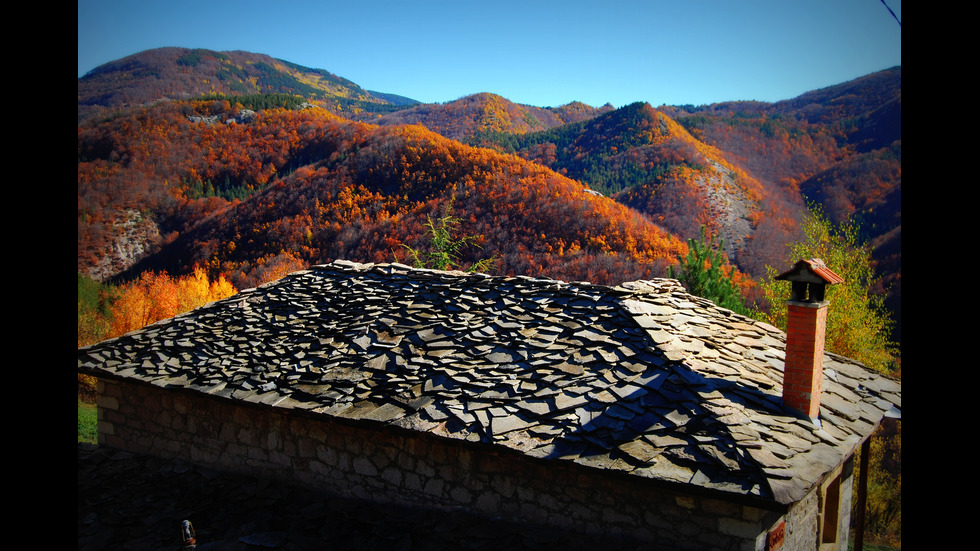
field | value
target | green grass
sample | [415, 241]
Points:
[87, 429]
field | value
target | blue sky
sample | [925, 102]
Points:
[543, 53]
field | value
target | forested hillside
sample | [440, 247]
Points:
[645, 160]
[839, 147]
[485, 113]
[345, 190]
[182, 73]
[249, 166]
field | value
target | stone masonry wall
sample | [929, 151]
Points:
[362, 461]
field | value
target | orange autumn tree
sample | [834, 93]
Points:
[156, 296]
[196, 290]
[142, 302]
[106, 312]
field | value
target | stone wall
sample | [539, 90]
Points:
[361, 460]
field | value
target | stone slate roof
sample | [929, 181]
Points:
[641, 378]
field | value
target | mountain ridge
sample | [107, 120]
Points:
[174, 73]
[485, 112]
[746, 167]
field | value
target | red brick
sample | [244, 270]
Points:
[803, 372]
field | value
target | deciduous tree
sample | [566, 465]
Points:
[447, 246]
[858, 324]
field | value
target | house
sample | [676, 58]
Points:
[637, 410]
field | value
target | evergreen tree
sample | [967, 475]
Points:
[705, 272]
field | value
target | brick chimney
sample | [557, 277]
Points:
[806, 324]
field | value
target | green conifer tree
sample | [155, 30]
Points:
[703, 273]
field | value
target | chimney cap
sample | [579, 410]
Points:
[811, 270]
[809, 278]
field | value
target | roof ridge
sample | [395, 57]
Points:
[641, 286]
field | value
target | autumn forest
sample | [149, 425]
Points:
[224, 170]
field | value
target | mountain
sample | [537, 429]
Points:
[182, 73]
[242, 163]
[644, 159]
[838, 147]
[369, 196]
[486, 113]
[788, 141]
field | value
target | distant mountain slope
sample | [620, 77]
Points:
[484, 113]
[739, 167]
[786, 142]
[838, 147]
[156, 172]
[181, 73]
[866, 189]
[645, 160]
[868, 109]
[147, 174]
[851, 130]
[372, 191]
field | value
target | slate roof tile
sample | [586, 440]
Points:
[641, 378]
